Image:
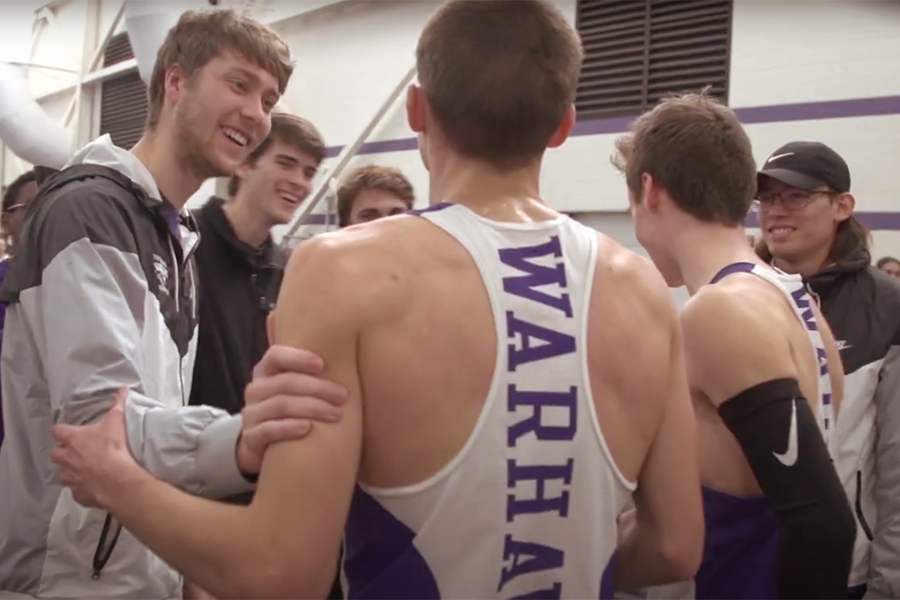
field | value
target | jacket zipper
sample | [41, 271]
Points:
[193, 293]
[859, 512]
[177, 276]
[177, 310]
[104, 551]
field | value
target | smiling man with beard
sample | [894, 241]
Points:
[240, 267]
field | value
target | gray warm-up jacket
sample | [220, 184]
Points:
[102, 295]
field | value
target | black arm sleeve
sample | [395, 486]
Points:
[782, 442]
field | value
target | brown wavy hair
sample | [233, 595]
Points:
[697, 150]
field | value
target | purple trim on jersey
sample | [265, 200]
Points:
[741, 547]
[739, 267]
[433, 208]
[608, 580]
[380, 558]
[741, 533]
[803, 304]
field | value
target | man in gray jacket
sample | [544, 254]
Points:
[103, 296]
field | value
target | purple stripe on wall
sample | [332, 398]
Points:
[602, 126]
[874, 220]
[813, 111]
[381, 147]
[831, 109]
[315, 219]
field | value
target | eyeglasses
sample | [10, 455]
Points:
[791, 200]
[15, 207]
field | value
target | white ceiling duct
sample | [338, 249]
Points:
[24, 126]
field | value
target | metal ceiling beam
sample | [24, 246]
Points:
[92, 66]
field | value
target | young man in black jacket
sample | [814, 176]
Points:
[240, 267]
[808, 227]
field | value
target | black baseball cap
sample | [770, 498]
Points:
[808, 165]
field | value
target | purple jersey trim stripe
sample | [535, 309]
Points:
[380, 557]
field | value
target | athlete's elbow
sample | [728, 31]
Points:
[279, 577]
[292, 580]
[681, 548]
[681, 556]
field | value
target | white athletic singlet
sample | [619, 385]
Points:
[802, 302]
[528, 507]
[742, 532]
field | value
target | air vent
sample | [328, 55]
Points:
[123, 109]
[639, 51]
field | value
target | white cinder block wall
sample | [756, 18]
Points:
[830, 74]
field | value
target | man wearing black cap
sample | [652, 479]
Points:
[806, 219]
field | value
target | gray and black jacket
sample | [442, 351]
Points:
[862, 306]
[102, 295]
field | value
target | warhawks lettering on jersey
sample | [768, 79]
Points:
[536, 489]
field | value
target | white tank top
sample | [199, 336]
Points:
[528, 507]
[802, 303]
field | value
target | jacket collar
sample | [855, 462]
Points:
[825, 280]
[160, 208]
[266, 256]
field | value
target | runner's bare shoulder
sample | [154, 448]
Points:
[735, 336]
[633, 322]
[634, 286]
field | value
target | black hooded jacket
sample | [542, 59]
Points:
[862, 307]
[238, 288]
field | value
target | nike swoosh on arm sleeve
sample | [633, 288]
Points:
[789, 456]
